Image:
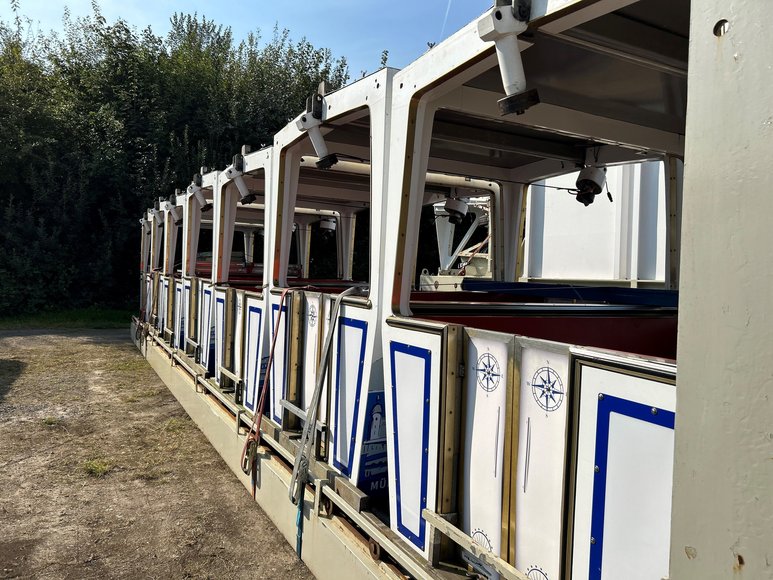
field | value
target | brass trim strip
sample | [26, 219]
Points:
[417, 324]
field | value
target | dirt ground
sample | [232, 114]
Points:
[102, 474]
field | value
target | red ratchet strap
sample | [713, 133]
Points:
[463, 270]
[251, 444]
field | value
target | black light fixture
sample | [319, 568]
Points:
[195, 188]
[456, 210]
[327, 226]
[589, 183]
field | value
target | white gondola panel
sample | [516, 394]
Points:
[279, 370]
[487, 381]
[325, 404]
[162, 304]
[253, 354]
[220, 315]
[237, 355]
[412, 398]
[624, 475]
[184, 311]
[348, 394]
[178, 315]
[206, 328]
[539, 499]
[313, 323]
[148, 296]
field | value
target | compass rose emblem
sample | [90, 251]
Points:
[480, 538]
[536, 573]
[488, 372]
[547, 388]
[312, 315]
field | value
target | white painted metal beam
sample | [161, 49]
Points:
[723, 472]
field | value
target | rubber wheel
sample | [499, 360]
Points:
[375, 549]
[326, 506]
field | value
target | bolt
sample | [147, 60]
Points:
[601, 396]
[596, 469]
[654, 411]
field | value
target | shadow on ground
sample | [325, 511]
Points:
[10, 369]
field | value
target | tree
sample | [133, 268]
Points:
[100, 122]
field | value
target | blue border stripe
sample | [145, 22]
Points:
[247, 398]
[363, 326]
[426, 356]
[607, 405]
[274, 310]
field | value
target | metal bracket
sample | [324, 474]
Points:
[238, 381]
[519, 102]
[300, 413]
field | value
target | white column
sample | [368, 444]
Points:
[535, 231]
[145, 245]
[304, 242]
[345, 236]
[286, 213]
[626, 199]
[249, 246]
[156, 241]
[191, 227]
[649, 210]
[224, 218]
[170, 243]
[722, 523]
[506, 231]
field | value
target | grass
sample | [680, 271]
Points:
[148, 475]
[152, 471]
[175, 425]
[78, 318]
[123, 363]
[97, 467]
[51, 421]
[142, 394]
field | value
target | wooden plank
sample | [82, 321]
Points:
[467, 543]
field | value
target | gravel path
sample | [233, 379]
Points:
[102, 474]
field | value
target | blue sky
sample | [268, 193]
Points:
[357, 30]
